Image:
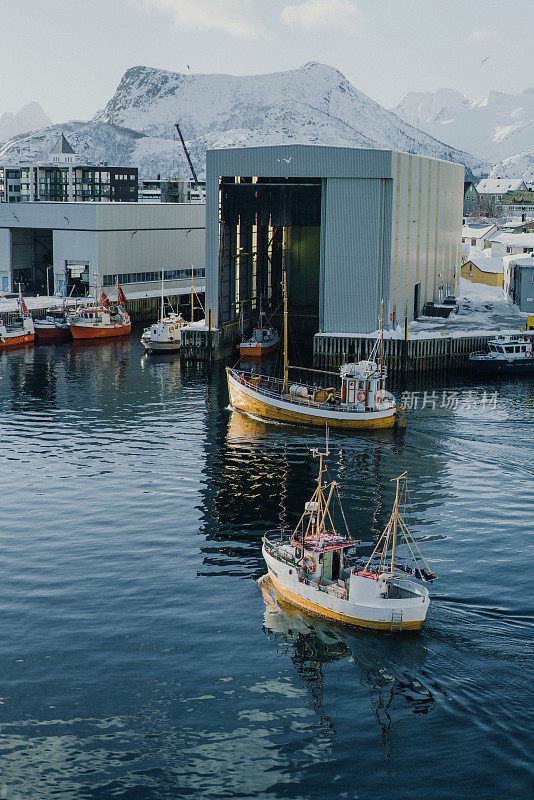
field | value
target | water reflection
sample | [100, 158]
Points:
[389, 667]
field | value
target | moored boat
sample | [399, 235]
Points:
[506, 353]
[309, 568]
[101, 321]
[21, 332]
[54, 327]
[264, 340]
[360, 402]
[165, 335]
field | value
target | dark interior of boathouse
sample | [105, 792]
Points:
[268, 225]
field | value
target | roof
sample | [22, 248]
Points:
[514, 239]
[484, 263]
[521, 261]
[62, 146]
[480, 232]
[499, 185]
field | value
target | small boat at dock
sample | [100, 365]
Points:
[54, 328]
[506, 353]
[309, 567]
[264, 340]
[21, 332]
[101, 321]
[165, 335]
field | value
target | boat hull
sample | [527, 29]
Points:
[257, 350]
[101, 332]
[17, 340]
[256, 404]
[160, 347]
[494, 365]
[333, 608]
[52, 334]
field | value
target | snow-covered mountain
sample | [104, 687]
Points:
[495, 128]
[519, 166]
[315, 104]
[30, 118]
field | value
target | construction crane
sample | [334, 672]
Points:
[191, 167]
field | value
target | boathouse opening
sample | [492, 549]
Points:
[32, 257]
[268, 225]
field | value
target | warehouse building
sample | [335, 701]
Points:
[351, 227]
[93, 244]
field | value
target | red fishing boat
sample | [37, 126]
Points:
[102, 321]
[21, 332]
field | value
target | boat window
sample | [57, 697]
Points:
[492, 348]
[517, 348]
[509, 349]
[523, 348]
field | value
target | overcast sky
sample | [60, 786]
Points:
[69, 55]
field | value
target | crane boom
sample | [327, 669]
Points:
[191, 167]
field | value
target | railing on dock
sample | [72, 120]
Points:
[400, 355]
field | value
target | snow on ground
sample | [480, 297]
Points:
[11, 303]
[483, 310]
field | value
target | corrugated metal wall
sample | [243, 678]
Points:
[356, 259]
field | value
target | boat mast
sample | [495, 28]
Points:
[162, 295]
[395, 517]
[286, 369]
[382, 340]
[192, 294]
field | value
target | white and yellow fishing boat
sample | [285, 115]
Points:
[360, 402]
[308, 568]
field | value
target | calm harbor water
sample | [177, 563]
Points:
[138, 657]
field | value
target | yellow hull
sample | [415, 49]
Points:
[326, 613]
[252, 405]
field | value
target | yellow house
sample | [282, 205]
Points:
[483, 269]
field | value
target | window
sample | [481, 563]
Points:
[509, 349]
[473, 242]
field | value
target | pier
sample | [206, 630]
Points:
[432, 354]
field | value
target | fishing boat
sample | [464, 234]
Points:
[309, 566]
[360, 402]
[101, 321]
[264, 340]
[506, 353]
[54, 327]
[165, 335]
[20, 332]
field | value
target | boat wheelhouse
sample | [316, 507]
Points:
[263, 341]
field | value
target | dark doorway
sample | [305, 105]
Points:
[336, 564]
[416, 300]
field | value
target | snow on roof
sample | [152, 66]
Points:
[514, 239]
[487, 263]
[478, 231]
[499, 185]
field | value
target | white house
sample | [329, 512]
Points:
[503, 244]
[475, 236]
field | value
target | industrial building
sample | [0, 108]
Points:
[93, 244]
[351, 227]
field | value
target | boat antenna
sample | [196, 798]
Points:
[286, 369]
[192, 295]
[162, 294]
